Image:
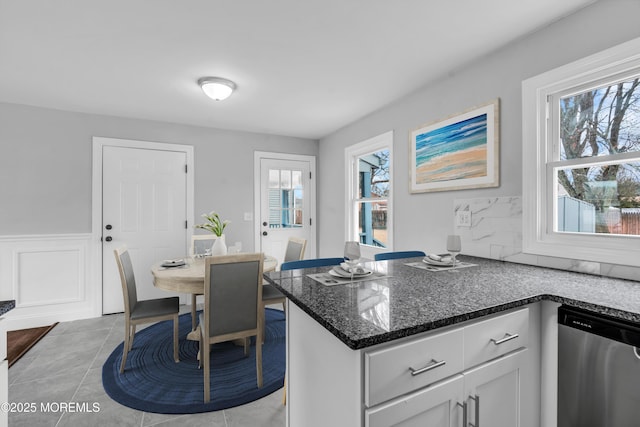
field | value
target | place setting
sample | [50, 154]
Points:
[444, 262]
[349, 271]
[173, 263]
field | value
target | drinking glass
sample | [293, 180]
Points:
[454, 246]
[352, 255]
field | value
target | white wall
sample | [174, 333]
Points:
[45, 167]
[422, 221]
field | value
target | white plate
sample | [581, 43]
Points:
[339, 272]
[173, 263]
[438, 263]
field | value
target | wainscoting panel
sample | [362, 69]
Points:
[49, 277]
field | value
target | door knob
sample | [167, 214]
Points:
[265, 223]
[264, 233]
[108, 227]
[108, 238]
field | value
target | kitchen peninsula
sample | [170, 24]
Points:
[365, 354]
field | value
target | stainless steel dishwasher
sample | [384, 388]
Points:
[598, 370]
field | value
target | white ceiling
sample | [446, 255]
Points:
[303, 68]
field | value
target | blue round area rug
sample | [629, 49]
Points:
[153, 382]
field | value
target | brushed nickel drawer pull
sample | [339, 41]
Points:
[507, 337]
[432, 365]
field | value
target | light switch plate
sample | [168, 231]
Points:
[463, 218]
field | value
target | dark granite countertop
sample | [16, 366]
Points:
[6, 306]
[410, 300]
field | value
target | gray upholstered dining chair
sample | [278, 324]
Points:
[232, 304]
[141, 312]
[270, 295]
[295, 249]
[294, 252]
[200, 245]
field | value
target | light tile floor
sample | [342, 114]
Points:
[66, 366]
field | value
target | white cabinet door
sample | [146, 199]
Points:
[436, 406]
[493, 392]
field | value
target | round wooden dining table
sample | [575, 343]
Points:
[189, 279]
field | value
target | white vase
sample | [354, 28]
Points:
[219, 246]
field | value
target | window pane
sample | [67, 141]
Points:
[274, 178]
[599, 199]
[285, 177]
[372, 223]
[285, 203]
[274, 208]
[373, 174]
[298, 199]
[601, 121]
[297, 179]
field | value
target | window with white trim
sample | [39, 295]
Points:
[369, 191]
[581, 159]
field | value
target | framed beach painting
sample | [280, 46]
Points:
[459, 152]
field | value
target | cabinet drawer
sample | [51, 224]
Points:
[426, 407]
[403, 368]
[494, 337]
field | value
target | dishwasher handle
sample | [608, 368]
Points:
[605, 326]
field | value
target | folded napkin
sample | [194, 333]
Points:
[440, 258]
[353, 270]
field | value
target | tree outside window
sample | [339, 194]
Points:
[598, 191]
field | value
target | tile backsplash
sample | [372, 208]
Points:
[496, 232]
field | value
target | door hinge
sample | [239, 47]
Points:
[310, 221]
[186, 224]
[309, 175]
[186, 168]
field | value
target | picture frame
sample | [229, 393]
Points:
[459, 152]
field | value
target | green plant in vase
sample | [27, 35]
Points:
[215, 225]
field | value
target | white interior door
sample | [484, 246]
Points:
[286, 205]
[144, 207]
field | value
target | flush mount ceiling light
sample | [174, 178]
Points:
[217, 88]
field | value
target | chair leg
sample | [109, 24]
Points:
[194, 310]
[133, 335]
[175, 339]
[284, 391]
[126, 345]
[262, 315]
[259, 359]
[204, 351]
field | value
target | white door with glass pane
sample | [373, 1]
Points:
[286, 205]
[144, 206]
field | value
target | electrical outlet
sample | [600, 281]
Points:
[463, 219]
